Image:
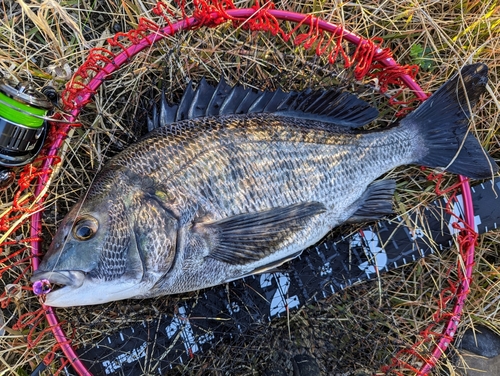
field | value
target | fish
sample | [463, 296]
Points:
[234, 181]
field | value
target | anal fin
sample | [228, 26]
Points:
[376, 201]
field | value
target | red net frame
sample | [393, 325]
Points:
[368, 60]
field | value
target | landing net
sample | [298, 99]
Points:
[166, 333]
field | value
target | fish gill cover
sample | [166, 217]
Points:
[345, 332]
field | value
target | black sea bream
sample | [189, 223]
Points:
[247, 182]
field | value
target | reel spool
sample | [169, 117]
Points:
[23, 127]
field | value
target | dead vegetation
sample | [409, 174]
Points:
[360, 328]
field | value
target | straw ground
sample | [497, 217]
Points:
[359, 329]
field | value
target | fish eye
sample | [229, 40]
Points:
[85, 228]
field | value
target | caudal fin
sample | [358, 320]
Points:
[443, 122]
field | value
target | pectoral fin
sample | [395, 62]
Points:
[273, 267]
[250, 237]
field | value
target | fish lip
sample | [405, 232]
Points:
[91, 292]
[71, 278]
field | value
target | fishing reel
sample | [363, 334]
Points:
[23, 127]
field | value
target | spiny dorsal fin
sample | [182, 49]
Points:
[201, 100]
[329, 106]
[220, 94]
[186, 103]
[234, 103]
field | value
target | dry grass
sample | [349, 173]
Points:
[359, 328]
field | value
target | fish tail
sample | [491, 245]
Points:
[442, 126]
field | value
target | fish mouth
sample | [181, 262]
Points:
[61, 281]
[70, 288]
[73, 278]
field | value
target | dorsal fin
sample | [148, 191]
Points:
[186, 103]
[201, 100]
[220, 94]
[247, 101]
[235, 99]
[332, 106]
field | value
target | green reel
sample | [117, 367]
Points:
[23, 128]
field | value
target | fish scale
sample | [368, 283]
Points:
[112, 263]
[218, 196]
[312, 151]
